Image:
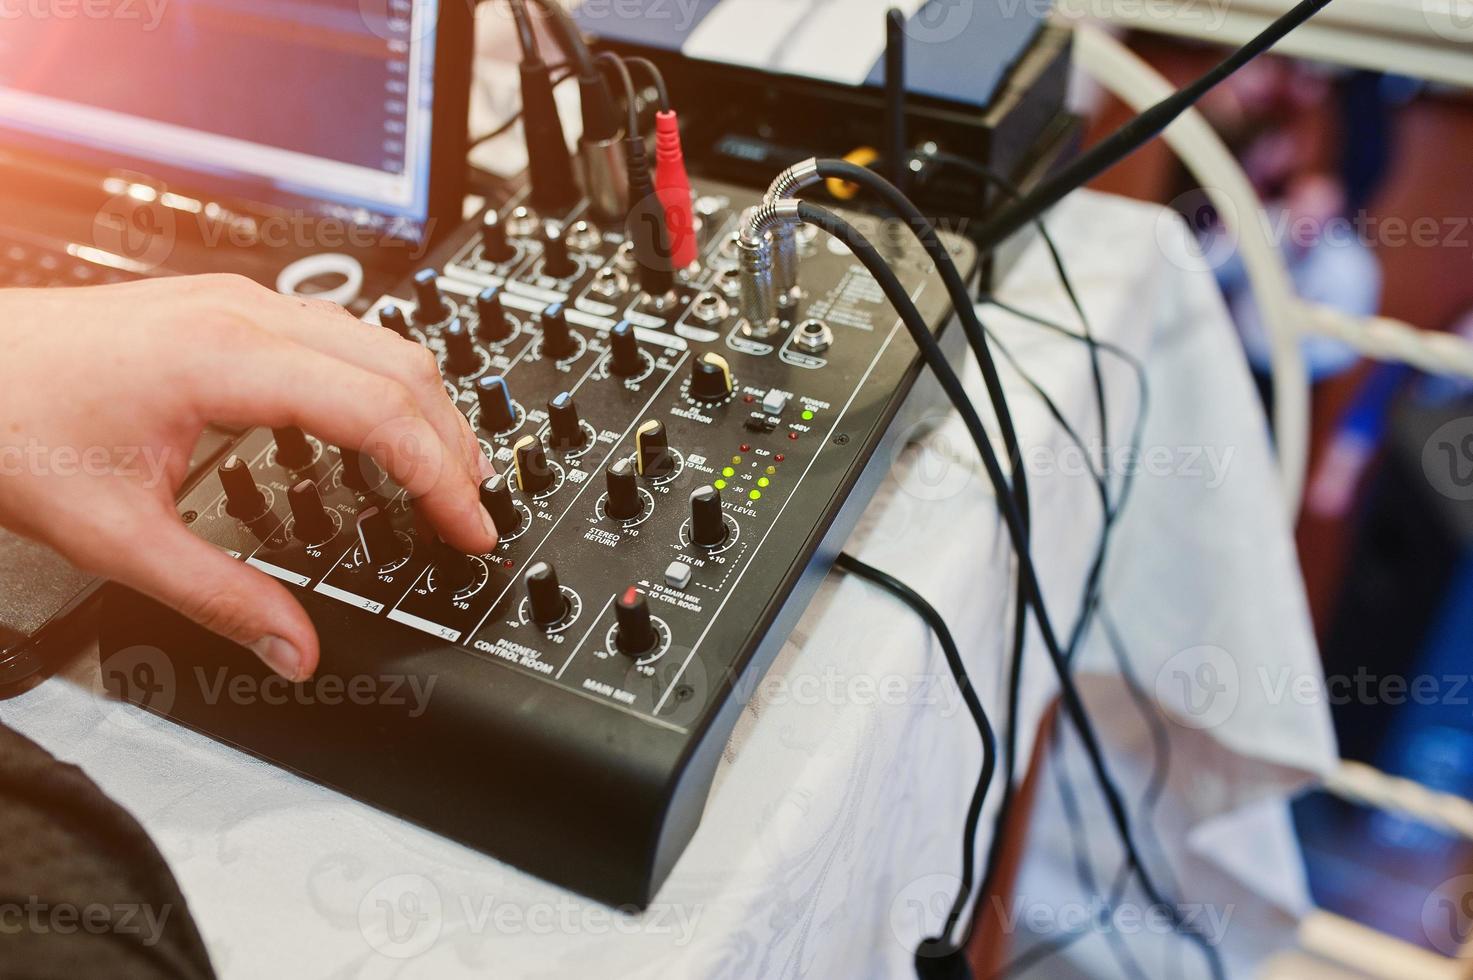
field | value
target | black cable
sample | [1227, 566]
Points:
[958, 668]
[656, 78]
[501, 130]
[1072, 701]
[599, 122]
[1136, 133]
[631, 99]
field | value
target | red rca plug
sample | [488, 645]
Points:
[672, 184]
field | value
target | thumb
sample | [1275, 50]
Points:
[222, 594]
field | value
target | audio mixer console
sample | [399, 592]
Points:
[674, 486]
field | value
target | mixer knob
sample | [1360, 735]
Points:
[494, 245]
[497, 411]
[566, 426]
[555, 259]
[454, 570]
[635, 634]
[534, 474]
[493, 326]
[377, 538]
[623, 501]
[460, 349]
[557, 338]
[243, 498]
[544, 594]
[710, 379]
[707, 523]
[625, 361]
[652, 455]
[496, 498]
[292, 448]
[360, 472]
[430, 302]
[312, 525]
[393, 318]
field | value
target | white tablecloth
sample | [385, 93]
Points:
[831, 839]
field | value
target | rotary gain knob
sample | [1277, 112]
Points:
[492, 324]
[624, 361]
[557, 338]
[497, 411]
[565, 425]
[556, 261]
[710, 379]
[460, 349]
[376, 537]
[634, 634]
[534, 473]
[496, 498]
[545, 595]
[293, 451]
[430, 304]
[707, 523]
[243, 498]
[311, 523]
[652, 456]
[622, 502]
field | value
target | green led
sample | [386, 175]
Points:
[719, 484]
[755, 495]
[728, 471]
[763, 481]
[807, 415]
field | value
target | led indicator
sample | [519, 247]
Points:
[772, 469]
[763, 481]
[807, 415]
[736, 461]
[755, 495]
[727, 471]
[719, 484]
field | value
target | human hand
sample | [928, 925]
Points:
[104, 391]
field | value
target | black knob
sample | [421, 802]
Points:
[492, 324]
[494, 246]
[623, 501]
[460, 350]
[393, 318]
[557, 337]
[624, 359]
[652, 456]
[497, 411]
[377, 538]
[292, 448]
[545, 595]
[311, 523]
[243, 499]
[710, 378]
[429, 301]
[360, 472]
[707, 523]
[635, 634]
[565, 425]
[555, 259]
[454, 570]
[496, 498]
[534, 474]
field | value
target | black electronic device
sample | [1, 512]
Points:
[673, 488]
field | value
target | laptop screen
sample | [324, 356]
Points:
[322, 107]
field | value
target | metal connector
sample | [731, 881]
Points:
[759, 294]
[605, 179]
[785, 185]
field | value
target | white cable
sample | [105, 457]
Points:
[290, 279]
[1136, 83]
[1386, 339]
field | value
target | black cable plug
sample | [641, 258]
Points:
[644, 225]
[549, 166]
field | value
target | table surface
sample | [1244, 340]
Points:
[831, 840]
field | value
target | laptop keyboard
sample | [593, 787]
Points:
[26, 261]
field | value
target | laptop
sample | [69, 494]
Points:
[180, 136]
[168, 137]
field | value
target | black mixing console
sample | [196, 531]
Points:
[674, 486]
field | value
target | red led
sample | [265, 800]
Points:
[792, 435]
[746, 447]
[507, 562]
[778, 457]
[749, 399]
